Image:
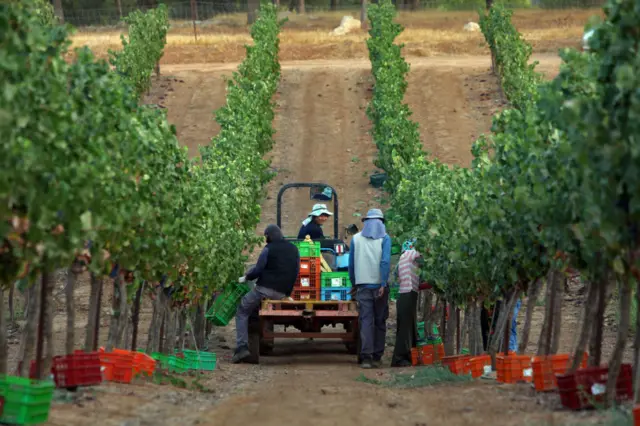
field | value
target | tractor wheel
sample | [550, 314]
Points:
[266, 346]
[254, 341]
[353, 347]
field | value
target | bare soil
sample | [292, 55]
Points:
[322, 135]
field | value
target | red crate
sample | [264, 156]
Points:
[514, 368]
[545, 369]
[585, 387]
[306, 294]
[143, 364]
[310, 266]
[478, 363]
[636, 415]
[458, 364]
[118, 364]
[77, 369]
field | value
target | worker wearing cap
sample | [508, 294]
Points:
[369, 268]
[276, 272]
[312, 225]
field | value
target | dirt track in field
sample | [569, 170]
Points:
[322, 135]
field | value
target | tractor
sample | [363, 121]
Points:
[309, 316]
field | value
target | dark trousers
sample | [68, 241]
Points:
[373, 312]
[406, 331]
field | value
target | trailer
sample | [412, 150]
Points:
[309, 317]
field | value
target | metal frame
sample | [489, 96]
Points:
[307, 185]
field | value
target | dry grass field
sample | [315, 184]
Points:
[304, 37]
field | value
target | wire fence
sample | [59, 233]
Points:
[207, 10]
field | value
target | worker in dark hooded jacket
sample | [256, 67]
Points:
[276, 273]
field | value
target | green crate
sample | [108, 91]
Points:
[308, 249]
[161, 359]
[177, 365]
[26, 401]
[225, 305]
[200, 360]
[335, 279]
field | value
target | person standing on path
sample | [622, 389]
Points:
[369, 267]
[406, 305]
[276, 271]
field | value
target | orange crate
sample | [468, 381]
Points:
[422, 355]
[143, 363]
[458, 364]
[545, 369]
[636, 415]
[438, 352]
[120, 362]
[478, 363]
[416, 353]
[310, 266]
[514, 368]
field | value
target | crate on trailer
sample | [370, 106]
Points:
[335, 279]
[225, 305]
[310, 266]
[308, 249]
[335, 293]
[307, 282]
[310, 293]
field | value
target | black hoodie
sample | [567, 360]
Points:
[278, 265]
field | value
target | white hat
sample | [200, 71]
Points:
[319, 210]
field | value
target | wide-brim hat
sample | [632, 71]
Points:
[319, 210]
[374, 214]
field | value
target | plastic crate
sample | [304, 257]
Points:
[307, 282]
[545, 369]
[586, 386]
[143, 364]
[77, 369]
[118, 365]
[336, 293]
[458, 364]
[514, 368]
[335, 279]
[305, 294]
[225, 305]
[178, 365]
[310, 266]
[636, 415]
[26, 401]
[480, 365]
[162, 360]
[308, 249]
[422, 355]
[393, 292]
[200, 360]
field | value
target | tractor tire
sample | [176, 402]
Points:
[353, 348]
[266, 346]
[254, 340]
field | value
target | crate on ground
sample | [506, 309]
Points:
[26, 401]
[393, 292]
[77, 369]
[118, 365]
[162, 360]
[545, 369]
[225, 305]
[177, 364]
[422, 355]
[586, 387]
[198, 360]
[480, 365]
[310, 266]
[308, 249]
[143, 364]
[335, 279]
[336, 293]
[458, 364]
[514, 368]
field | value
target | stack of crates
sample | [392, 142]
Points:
[335, 286]
[307, 286]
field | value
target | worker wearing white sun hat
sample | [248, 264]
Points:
[312, 225]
